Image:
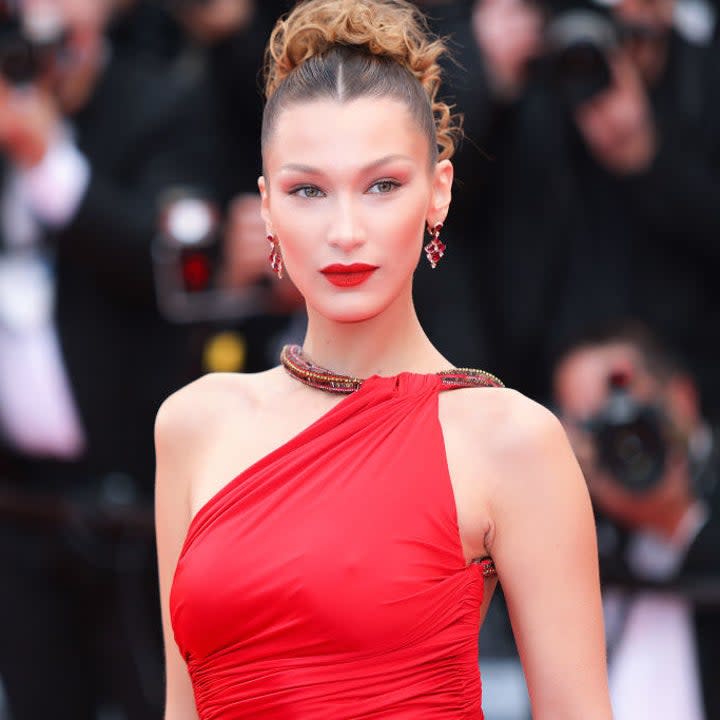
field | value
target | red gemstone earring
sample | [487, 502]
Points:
[435, 249]
[275, 257]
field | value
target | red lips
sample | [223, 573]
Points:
[347, 275]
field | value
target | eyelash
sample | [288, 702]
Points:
[295, 191]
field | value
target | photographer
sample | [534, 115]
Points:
[652, 463]
[597, 189]
[246, 306]
[90, 140]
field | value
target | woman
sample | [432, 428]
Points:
[345, 571]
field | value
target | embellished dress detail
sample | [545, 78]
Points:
[327, 580]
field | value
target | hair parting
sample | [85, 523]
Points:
[347, 49]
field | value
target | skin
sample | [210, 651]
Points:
[522, 499]
[649, 56]
[212, 21]
[509, 34]
[30, 117]
[618, 125]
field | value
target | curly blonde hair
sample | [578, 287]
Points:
[347, 49]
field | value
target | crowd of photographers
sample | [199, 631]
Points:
[582, 252]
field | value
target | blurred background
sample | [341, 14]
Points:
[583, 251]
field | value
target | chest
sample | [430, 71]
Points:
[345, 535]
[458, 467]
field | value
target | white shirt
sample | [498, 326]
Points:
[653, 670]
[38, 415]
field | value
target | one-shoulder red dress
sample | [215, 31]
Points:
[328, 579]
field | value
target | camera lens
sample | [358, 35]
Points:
[29, 44]
[17, 60]
[633, 451]
[579, 43]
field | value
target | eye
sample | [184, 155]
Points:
[308, 191]
[383, 187]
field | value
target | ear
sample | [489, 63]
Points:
[441, 192]
[265, 204]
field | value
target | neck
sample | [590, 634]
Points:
[387, 344]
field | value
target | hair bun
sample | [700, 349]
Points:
[395, 29]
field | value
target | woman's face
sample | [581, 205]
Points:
[351, 183]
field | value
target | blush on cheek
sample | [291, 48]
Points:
[300, 236]
[405, 227]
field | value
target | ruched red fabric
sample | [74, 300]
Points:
[328, 579]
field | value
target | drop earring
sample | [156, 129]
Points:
[275, 257]
[435, 249]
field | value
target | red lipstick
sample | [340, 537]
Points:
[348, 275]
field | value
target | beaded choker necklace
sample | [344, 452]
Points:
[301, 368]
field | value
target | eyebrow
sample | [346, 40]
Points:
[375, 163]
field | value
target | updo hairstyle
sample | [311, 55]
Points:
[347, 49]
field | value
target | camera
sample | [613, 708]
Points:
[31, 42]
[578, 43]
[187, 258]
[631, 438]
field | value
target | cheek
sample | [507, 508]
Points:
[400, 224]
[299, 230]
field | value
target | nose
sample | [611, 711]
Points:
[346, 231]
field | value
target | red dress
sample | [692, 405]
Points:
[328, 580]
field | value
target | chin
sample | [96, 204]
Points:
[349, 309]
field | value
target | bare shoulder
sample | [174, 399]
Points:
[520, 426]
[193, 402]
[195, 410]
[519, 437]
[535, 485]
[505, 419]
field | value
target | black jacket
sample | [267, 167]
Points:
[569, 244]
[145, 129]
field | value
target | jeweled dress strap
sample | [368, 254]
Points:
[468, 377]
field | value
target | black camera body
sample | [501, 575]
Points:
[578, 43]
[630, 438]
[29, 45]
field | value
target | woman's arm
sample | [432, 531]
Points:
[545, 551]
[172, 515]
